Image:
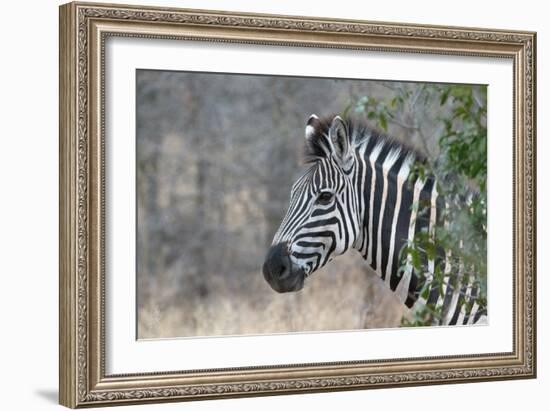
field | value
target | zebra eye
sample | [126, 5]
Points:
[325, 198]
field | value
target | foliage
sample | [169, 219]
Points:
[459, 163]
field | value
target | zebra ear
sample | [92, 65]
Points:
[339, 139]
[313, 127]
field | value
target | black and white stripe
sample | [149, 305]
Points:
[359, 193]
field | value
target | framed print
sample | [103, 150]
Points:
[259, 204]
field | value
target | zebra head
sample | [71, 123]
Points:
[322, 219]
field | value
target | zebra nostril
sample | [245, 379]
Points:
[277, 263]
[285, 268]
[279, 269]
[279, 272]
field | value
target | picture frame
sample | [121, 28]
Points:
[84, 30]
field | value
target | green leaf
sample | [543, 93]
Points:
[383, 122]
[444, 97]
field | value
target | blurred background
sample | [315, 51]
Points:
[216, 157]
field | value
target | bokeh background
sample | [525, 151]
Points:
[216, 157]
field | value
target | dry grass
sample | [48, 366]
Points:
[342, 296]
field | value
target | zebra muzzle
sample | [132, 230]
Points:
[279, 271]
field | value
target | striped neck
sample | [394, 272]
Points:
[389, 219]
[395, 206]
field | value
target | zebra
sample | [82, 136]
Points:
[361, 192]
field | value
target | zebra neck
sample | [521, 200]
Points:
[388, 204]
[389, 219]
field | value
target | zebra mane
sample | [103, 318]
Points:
[318, 147]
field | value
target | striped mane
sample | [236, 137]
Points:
[318, 147]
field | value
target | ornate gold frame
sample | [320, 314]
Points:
[83, 30]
